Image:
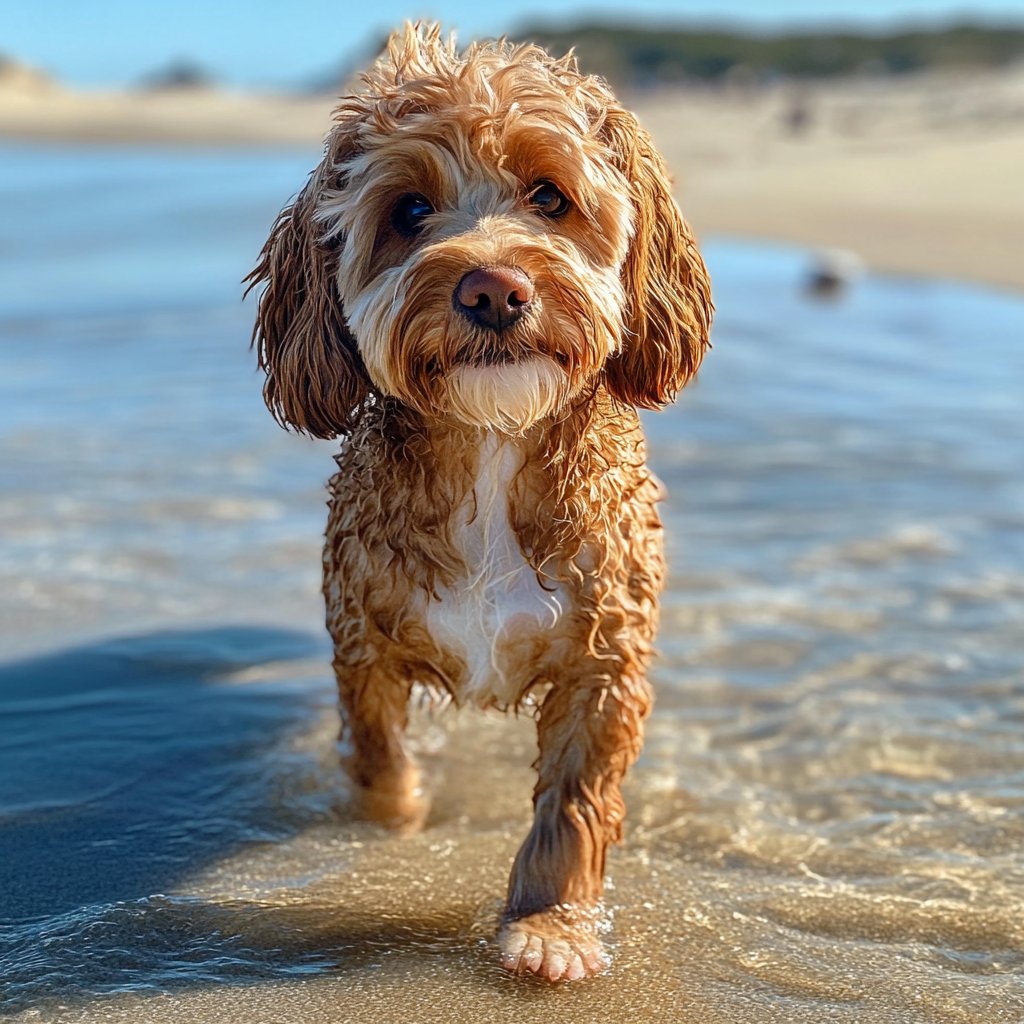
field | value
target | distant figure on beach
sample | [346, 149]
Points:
[798, 117]
[832, 272]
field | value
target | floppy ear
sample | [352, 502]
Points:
[667, 288]
[316, 381]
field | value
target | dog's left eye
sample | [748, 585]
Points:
[548, 200]
[408, 215]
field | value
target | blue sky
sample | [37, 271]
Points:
[271, 42]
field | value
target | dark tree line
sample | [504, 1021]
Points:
[644, 57]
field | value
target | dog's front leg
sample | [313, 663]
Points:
[589, 732]
[386, 780]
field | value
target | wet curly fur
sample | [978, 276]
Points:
[493, 533]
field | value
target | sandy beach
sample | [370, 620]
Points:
[917, 175]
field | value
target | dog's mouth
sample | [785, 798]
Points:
[508, 353]
[495, 357]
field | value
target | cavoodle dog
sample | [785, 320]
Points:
[475, 290]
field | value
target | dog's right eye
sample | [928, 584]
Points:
[408, 215]
[548, 200]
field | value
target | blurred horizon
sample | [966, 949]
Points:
[115, 43]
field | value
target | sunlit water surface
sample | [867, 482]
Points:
[826, 824]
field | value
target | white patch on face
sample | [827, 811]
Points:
[608, 301]
[369, 318]
[509, 397]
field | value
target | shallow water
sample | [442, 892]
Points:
[828, 819]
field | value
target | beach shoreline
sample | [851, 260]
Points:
[916, 175]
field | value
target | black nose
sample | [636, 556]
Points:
[494, 297]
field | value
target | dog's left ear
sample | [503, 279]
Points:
[667, 287]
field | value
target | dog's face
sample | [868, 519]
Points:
[482, 242]
[488, 238]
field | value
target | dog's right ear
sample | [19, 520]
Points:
[664, 277]
[316, 381]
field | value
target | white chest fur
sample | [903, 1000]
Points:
[488, 618]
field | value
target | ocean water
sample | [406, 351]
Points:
[827, 823]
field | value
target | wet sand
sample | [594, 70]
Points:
[710, 925]
[916, 175]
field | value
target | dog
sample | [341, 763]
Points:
[477, 288]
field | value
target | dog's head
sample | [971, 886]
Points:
[489, 236]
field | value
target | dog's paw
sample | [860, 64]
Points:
[552, 947]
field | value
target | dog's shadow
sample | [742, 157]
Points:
[125, 770]
[139, 767]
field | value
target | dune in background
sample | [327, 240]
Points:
[33, 107]
[917, 174]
